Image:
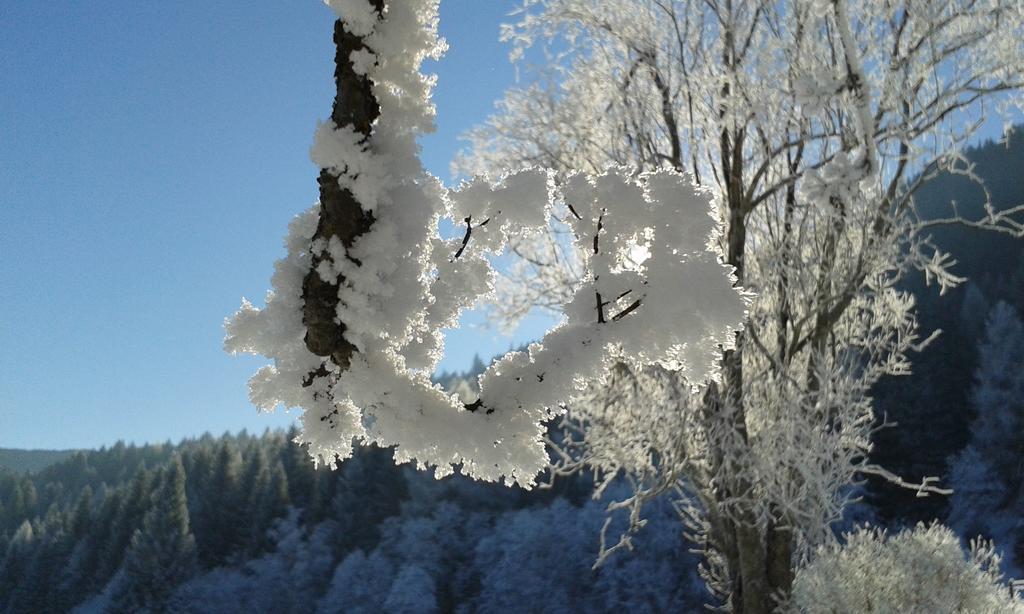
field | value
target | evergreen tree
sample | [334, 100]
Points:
[199, 466]
[262, 490]
[219, 530]
[129, 517]
[82, 517]
[25, 499]
[987, 475]
[269, 503]
[101, 535]
[973, 310]
[77, 553]
[325, 484]
[16, 557]
[477, 368]
[359, 585]
[998, 394]
[412, 592]
[38, 588]
[369, 490]
[301, 474]
[162, 553]
[277, 500]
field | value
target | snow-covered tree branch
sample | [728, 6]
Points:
[354, 321]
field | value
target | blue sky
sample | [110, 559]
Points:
[151, 155]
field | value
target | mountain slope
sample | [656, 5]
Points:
[31, 461]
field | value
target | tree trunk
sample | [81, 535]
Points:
[752, 579]
[759, 553]
[341, 215]
[779, 559]
[760, 565]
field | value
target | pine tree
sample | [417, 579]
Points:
[25, 499]
[269, 504]
[359, 585]
[129, 517]
[370, 490]
[478, 366]
[255, 485]
[278, 500]
[38, 587]
[987, 475]
[975, 305]
[16, 558]
[301, 473]
[219, 532]
[102, 534]
[162, 554]
[412, 592]
[81, 550]
[998, 394]
[82, 517]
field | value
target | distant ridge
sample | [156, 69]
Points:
[31, 461]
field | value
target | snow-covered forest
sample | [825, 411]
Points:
[788, 373]
[266, 531]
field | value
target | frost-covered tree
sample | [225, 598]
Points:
[987, 475]
[286, 580]
[359, 585]
[978, 497]
[811, 123]
[919, 570]
[162, 553]
[998, 394]
[557, 541]
[412, 592]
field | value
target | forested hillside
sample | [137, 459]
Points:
[246, 523]
[27, 461]
[933, 407]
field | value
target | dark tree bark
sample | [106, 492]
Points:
[758, 552]
[341, 215]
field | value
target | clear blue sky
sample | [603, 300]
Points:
[151, 155]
